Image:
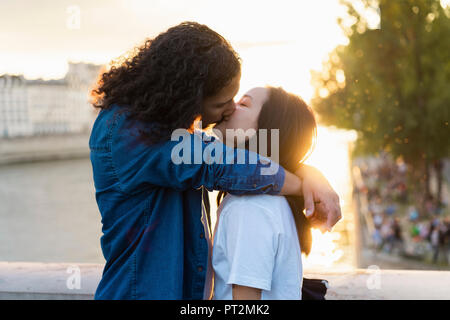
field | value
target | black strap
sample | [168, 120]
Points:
[314, 289]
[207, 207]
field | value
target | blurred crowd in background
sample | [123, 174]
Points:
[394, 222]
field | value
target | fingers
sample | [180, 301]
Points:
[309, 203]
[335, 213]
[327, 213]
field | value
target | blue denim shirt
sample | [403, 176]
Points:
[153, 238]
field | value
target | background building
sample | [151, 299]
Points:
[14, 109]
[34, 107]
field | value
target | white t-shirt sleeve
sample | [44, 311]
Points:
[249, 241]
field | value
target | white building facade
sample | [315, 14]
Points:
[35, 107]
[14, 110]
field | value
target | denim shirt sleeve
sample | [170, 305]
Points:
[138, 165]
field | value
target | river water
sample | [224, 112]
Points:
[48, 212]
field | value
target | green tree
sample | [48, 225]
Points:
[392, 84]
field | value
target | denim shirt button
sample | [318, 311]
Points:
[254, 185]
[202, 235]
[275, 186]
[199, 269]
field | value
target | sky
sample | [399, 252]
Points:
[38, 38]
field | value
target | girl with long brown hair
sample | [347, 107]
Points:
[259, 239]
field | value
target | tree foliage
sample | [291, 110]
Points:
[391, 84]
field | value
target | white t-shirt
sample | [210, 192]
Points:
[256, 245]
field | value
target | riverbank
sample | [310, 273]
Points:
[384, 260]
[44, 148]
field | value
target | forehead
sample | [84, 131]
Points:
[258, 93]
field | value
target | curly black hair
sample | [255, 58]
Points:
[166, 79]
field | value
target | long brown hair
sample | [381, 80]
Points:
[297, 137]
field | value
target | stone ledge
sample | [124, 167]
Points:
[31, 280]
[28, 280]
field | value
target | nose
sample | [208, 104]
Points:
[227, 113]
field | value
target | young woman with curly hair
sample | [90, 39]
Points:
[156, 237]
[173, 79]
